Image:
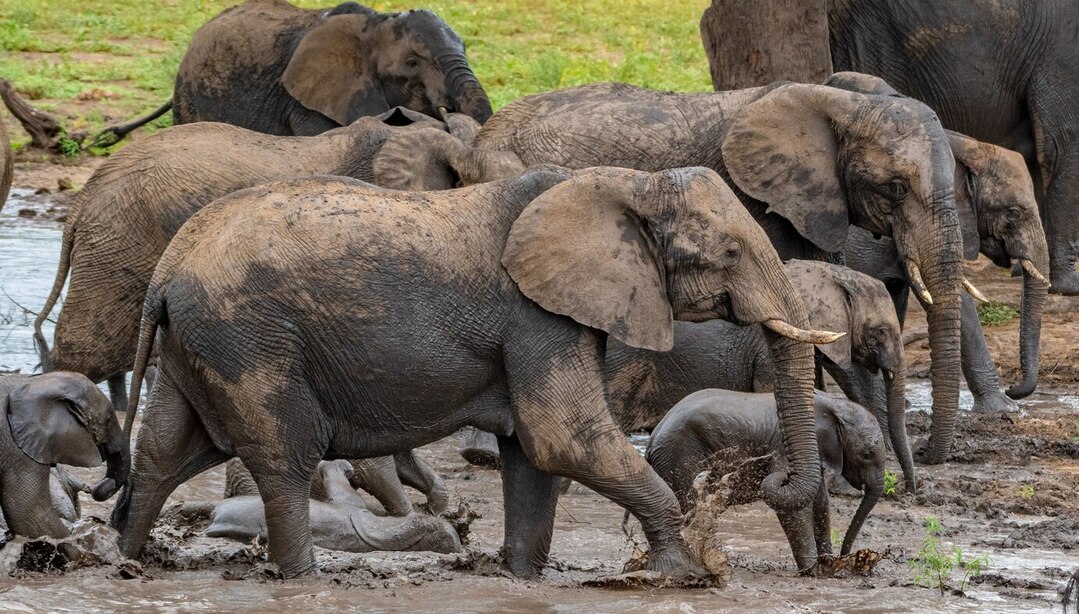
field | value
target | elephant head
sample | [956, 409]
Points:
[825, 158]
[429, 158]
[852, 445]
[629, 252]
[844, 300]
[999, 218]
[63, 418]
[357, 62]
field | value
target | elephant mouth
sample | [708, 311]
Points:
[716, 306]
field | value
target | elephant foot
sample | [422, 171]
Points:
[1066, 284]
[994, 403]
[677, 566]
[481, 449]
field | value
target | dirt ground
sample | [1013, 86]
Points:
[1010, 492]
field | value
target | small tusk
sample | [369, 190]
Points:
[444, 113]
[971, 290]
[816, 337]
[1032, 270]
[888, 374]
[914, 276]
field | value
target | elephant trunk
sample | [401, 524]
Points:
[897, 424]
[464, 90]
[873, 491]
[114, 449]
[1030, 330]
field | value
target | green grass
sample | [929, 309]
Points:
[996, 314]
[128, 51]
[891, 480]
[934, 566]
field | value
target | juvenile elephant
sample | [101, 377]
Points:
[807, 160]
[643, 384]
[716, 429]
[50, 419]
[353, 322]
[271, 67]
[339, 517]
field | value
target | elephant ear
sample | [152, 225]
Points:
[330, 73]
[419, 158]
[861, 83]
[971, 160]
[402, 116]
[580, 249]
[462, 126]
[827, 302]
[782, 150]
[46, 428]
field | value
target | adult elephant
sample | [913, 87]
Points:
[807, 160]
[1005, 73]
[358, 322]
[7, 165]
[269, 66]
[49, 419]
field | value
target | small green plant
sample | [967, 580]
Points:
[934, 565]
[837, 539]
[1026, 491]
[890, 482]
[996, 314]
[69, 147]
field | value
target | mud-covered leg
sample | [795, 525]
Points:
[118, 393]
[978, 367]
[798, 527]
[172, 447]
[378, 476]
[415, 473]
[822, 522]
[285, 487]
[529, 496]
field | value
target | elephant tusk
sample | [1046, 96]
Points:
[1032, 270]
[888, 374]
[444, 114]
[816, 337]
[914, 276]
[971, 290]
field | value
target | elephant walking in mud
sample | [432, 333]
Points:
[355, 322]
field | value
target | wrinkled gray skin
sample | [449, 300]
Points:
[7, 166]
[339, 517]
[322, 318]
[64, 490]
[807, 160]
[711, 426]
[643, 385]
[49, 419]
[998, 217]
[271, 67]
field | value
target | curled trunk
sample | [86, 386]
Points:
[873, 492]
[112, 444]
[1030, 329]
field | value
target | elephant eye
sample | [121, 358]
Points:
[897, 189]
[1013, 214]
[732, 255]
[413, 62]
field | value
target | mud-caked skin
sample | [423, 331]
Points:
[319, 318]
[271, 67]
[49, 419]
[717, 429]
[1003, 73]
[807, 160]
[998, 217]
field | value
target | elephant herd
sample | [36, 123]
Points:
[341, 252]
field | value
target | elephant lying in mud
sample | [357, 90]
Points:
[714, 430]
[643, 385]
[339, 517]
[278, 69]
[807, 160]
[357, 322]
[55, 418]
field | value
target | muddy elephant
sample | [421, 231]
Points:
[54, 418]
[714, 430]
[807, 160]
[124, 217]
[339, 516]
[271, 67]
[7, 165]
[643, 385]
[414, 314]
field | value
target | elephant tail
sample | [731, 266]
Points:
[152, 310]
[62, 270]
[114, 134]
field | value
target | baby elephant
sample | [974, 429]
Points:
[339, 518]
[717, 429]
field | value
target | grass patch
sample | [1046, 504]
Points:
[996, 314]
[934, 566]
[55, 51]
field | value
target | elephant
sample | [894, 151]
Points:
[716, 429]
[7, 166]
[998, 216]
[135, 202]
[643, 385]
[339, 517]
[414, 314]
[807, 160]
[1003, 74]
[271, 67]
[48, 419]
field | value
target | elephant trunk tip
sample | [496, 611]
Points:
[42, 347]
[1023, 389]
[105, 489]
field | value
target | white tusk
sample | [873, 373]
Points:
[971, 290]
[816, 337]
[914, 276]
[1032, 270]
[444, 113]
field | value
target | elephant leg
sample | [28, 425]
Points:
[118, 393]
[480, 448]
[864, 388]
[822, 522]
[899, 290]
[27, 502]
[529, 497]
[798, 526]
[172, 447]
[978, 367]
[285, 486]
[378, 476]
[415, 473]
